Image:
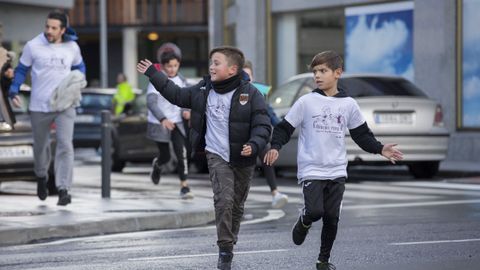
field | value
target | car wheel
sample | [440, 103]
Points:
[424, 169]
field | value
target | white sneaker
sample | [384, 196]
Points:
[279, 200]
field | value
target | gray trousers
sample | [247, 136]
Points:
[230, 190]
[41, 124]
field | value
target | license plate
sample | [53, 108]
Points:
[9, 152]
[394, 118]
[84, 118]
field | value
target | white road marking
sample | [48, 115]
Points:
[273, 214]
[435, 242]
[385, 196]
[440, 185]
[406, 189]
[414, 204]
[204, 255]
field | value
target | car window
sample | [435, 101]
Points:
[305, 89]
[284, 95]
[370, 86]
[96, 101]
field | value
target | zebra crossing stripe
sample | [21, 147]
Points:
[440, 185]
[435, 242]
[413, 204]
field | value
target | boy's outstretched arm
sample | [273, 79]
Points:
[167, 88]
[281, 135]
[363, 137]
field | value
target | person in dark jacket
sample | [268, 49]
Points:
[6, 78]
[279, 200]
[230, 121]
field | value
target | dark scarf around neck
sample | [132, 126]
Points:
[227, 85]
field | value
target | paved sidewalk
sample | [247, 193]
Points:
[135, 205]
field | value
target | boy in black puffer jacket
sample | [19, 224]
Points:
[230, 121]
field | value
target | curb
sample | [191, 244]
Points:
[109, 226]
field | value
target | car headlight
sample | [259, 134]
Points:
[5, 126]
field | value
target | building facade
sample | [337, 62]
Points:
[136, 29]
[431, 42]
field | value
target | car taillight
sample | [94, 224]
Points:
[438, 120]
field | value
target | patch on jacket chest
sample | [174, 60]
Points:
[243, 99]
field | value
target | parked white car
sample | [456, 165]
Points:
[396, 111]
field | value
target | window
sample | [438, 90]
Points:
[469, 67]
[371, 86]
[96, 102]
[284, 95]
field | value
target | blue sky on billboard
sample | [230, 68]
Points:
[379, 39]
[471, 64]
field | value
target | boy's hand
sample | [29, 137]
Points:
[17, 101]
[391, 153]
[186, 115]
[168, 124]
[143, 65]
[247, 150]
[270, 157]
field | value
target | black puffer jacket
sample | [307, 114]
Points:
[248, 123]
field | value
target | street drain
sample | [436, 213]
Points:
[141, 211]
[20, 214]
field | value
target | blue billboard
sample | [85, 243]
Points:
[471, 64]
[379, 39]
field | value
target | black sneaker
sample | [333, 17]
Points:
[299, 232]
[63, 197]
[325, 266]
[156, 172]
[42, 191]
[185, 193]
[225, 260]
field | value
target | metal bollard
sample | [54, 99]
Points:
[106, 152]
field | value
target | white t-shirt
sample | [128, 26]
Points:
[323, 122]
[171, 112]
[218, 115]
[50, 63]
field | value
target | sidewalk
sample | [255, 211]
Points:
[135, 205]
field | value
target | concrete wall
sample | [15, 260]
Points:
[215, 23]
[436, 66]
[249, 19]
[22, 19]
[22, 23]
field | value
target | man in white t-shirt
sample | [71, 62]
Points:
[51, 55]
[323, 117]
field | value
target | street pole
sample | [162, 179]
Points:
[106, 144]
[103, 44]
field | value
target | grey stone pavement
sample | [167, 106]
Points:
[135, 205]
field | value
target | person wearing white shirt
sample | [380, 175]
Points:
[51, 56]
[165, 125]
[323, 117]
